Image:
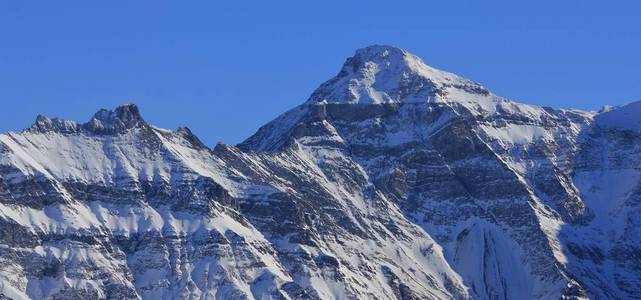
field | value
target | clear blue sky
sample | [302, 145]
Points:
[224, 69]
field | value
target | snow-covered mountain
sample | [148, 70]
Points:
[394, 180]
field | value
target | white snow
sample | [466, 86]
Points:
[626, 117]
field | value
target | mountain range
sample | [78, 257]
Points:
[394, 180]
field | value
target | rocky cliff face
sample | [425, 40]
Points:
[393, 181]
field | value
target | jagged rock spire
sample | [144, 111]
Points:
[44, 124]
[104, 121]
[121, 119]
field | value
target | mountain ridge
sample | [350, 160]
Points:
[392, 181]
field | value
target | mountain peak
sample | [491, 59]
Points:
[121, 119]
[126, 113]
[379, 52]
[386, 74]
